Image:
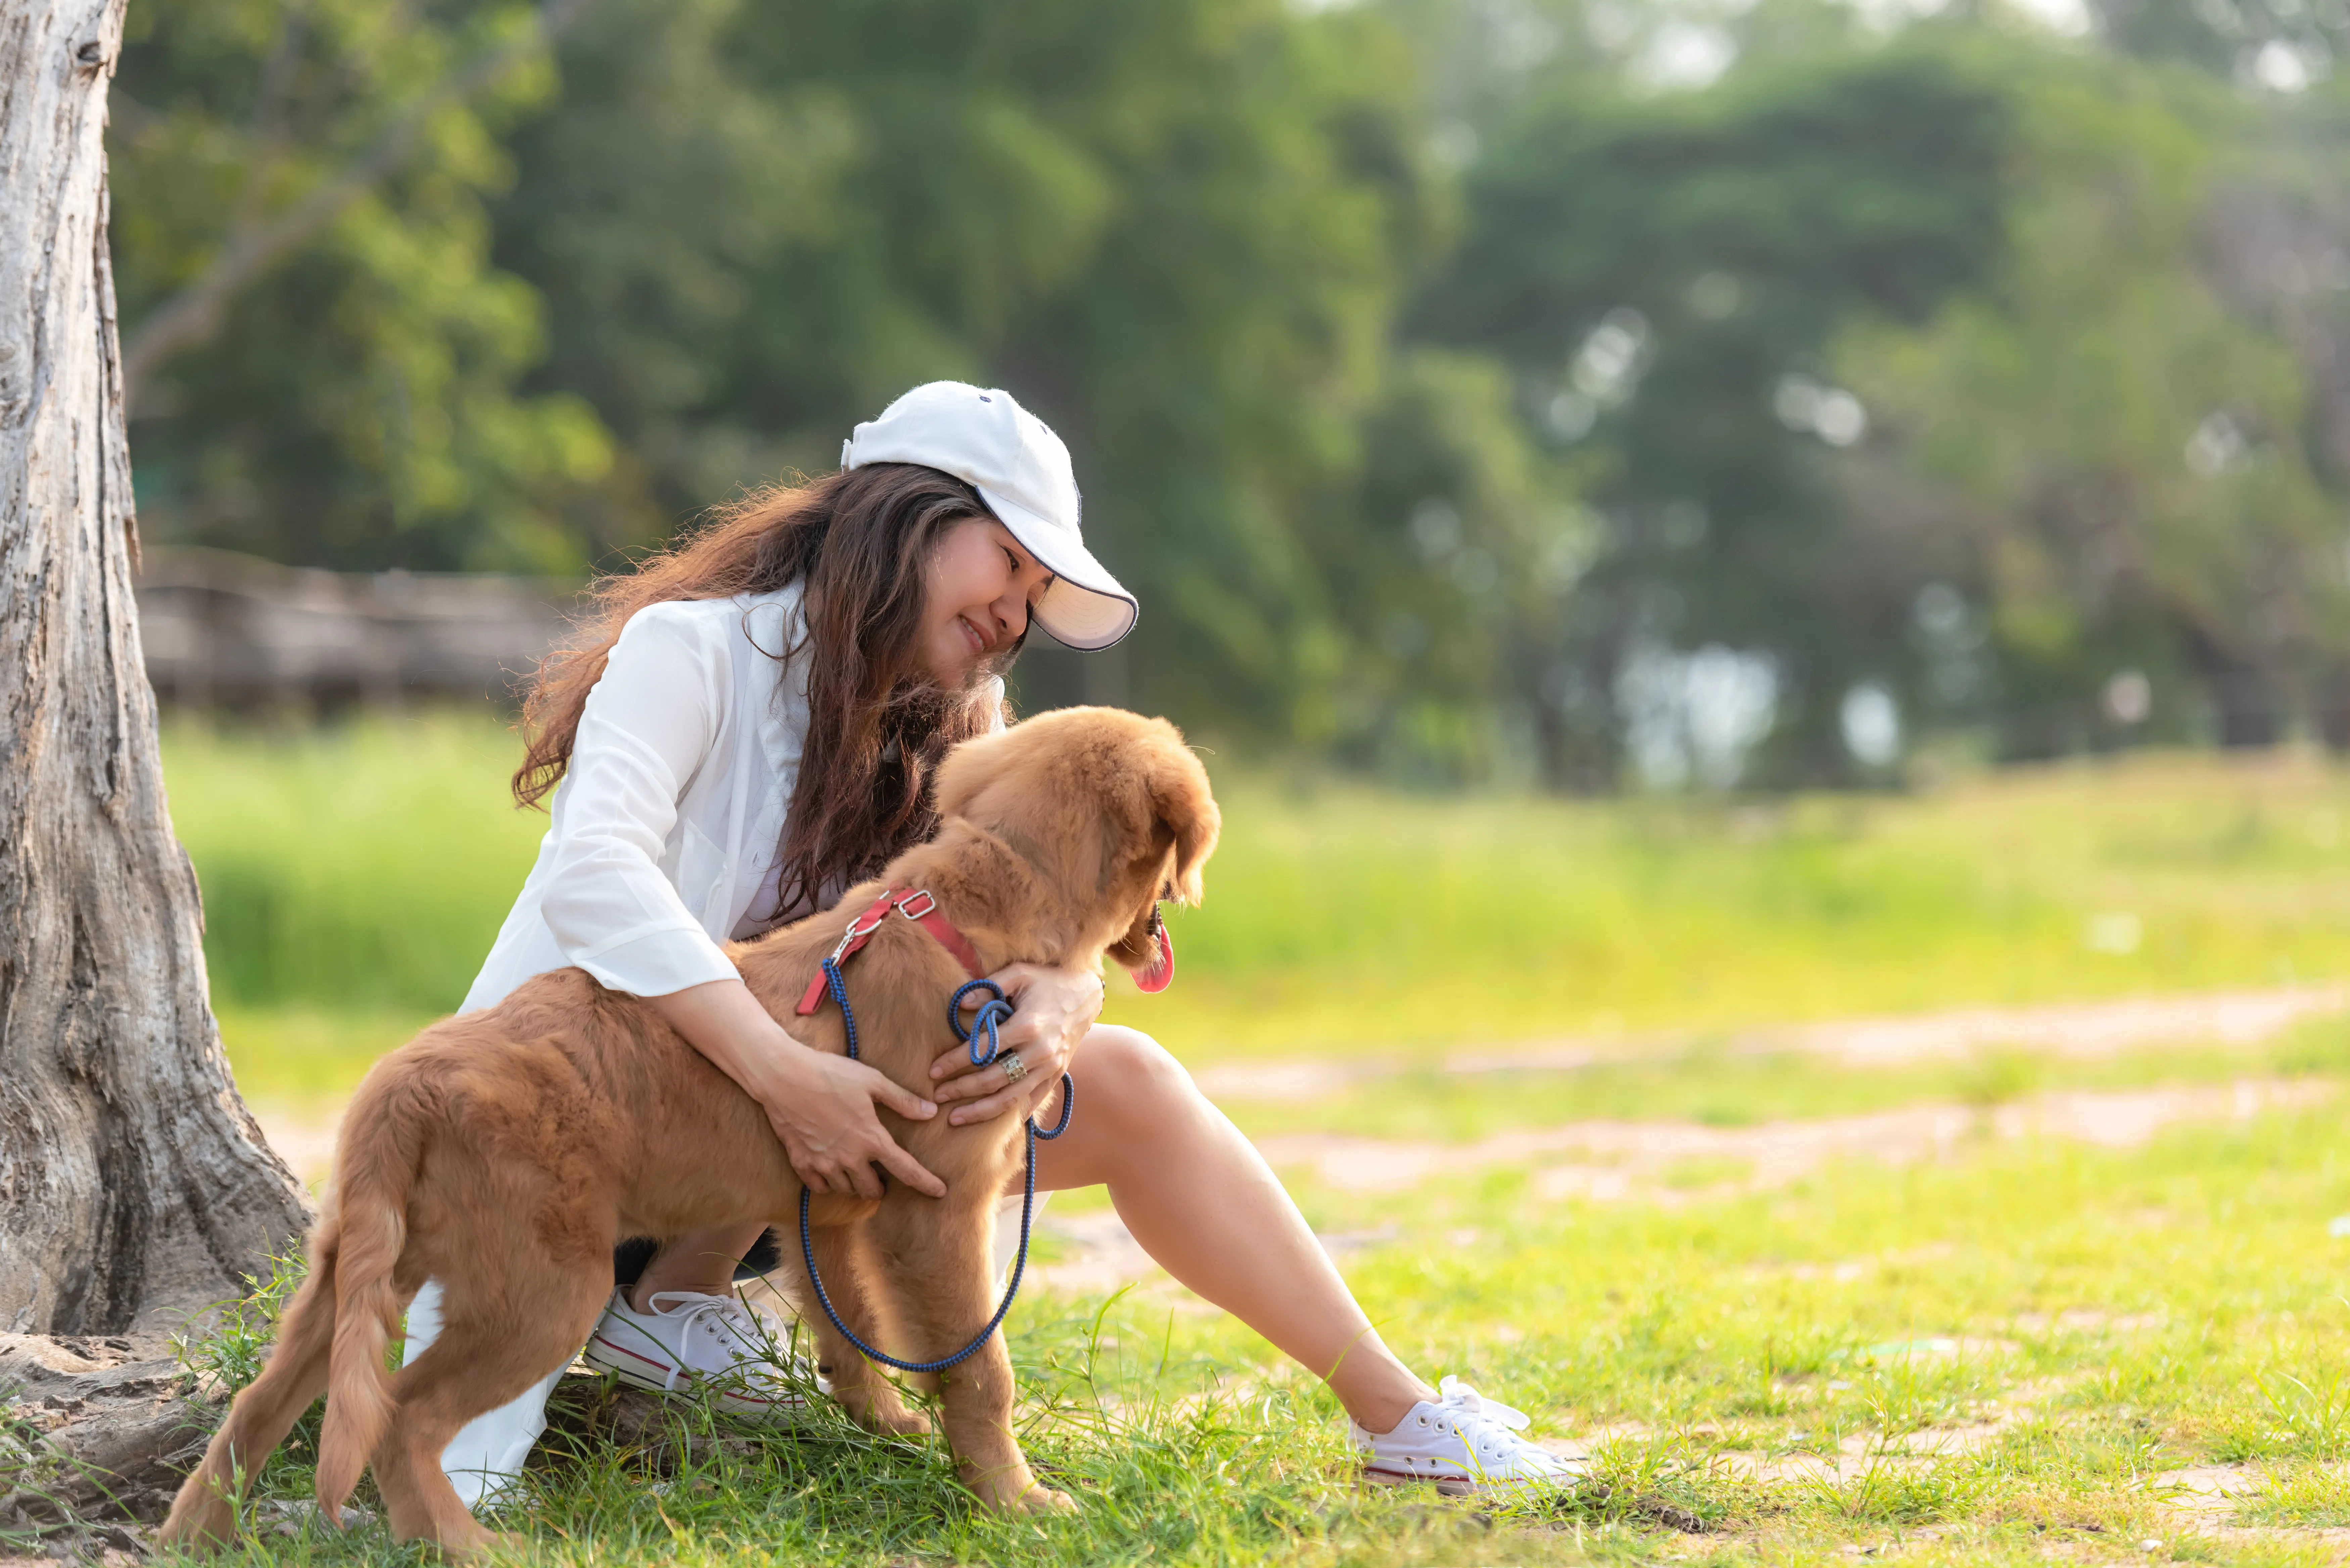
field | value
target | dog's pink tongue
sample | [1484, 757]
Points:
[1154, 975]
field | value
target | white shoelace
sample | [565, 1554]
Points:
[721, 1317]
[1487, 1427]
[1454, 1395]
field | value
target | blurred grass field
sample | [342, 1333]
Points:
[354, 877]
[2040, 1353]
[2023, 1349]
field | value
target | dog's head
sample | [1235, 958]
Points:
[1109, 803]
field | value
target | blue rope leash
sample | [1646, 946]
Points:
[991, 1012]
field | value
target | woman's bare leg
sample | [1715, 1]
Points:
[1202, 1202]
[702, 1262]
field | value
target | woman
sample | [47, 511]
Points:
[746, 729]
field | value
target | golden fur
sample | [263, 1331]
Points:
[504, 1152]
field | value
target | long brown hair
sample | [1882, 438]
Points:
[877, 723]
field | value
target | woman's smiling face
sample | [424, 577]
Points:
[980, 584]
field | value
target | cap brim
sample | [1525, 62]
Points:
[1086, 607]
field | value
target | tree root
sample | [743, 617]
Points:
[95, 1435]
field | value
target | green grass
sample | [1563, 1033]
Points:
[2008, 1353]
[2000, 1357]
[1344, 918]
[352, 868]
[354, 878]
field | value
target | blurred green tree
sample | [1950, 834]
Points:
[1456, 550]
[2123, 425]
[1463, 385]
[2281, 45]
[1179, 232]
[323, 366]
[1665, 274]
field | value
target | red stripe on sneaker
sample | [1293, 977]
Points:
[624, 1350]
[1387, 1475]
[1452, 1486]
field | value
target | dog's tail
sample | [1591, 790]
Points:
[376, 1166]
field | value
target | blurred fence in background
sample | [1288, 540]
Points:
[231, 631]
[237, 634]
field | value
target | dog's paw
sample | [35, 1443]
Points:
[471, 1549]
[899, 1423]
[889, 1418]
[1013, 1489]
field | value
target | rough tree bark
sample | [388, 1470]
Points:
[134, 1186]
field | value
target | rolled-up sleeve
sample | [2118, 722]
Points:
[647, 726]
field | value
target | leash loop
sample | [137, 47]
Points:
[990, 1013]
[1068, 1109]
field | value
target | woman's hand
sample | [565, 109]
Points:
[820, 1106]
[1053, 1008]
[824, 1113]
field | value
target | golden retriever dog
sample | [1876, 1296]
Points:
[504, 1152]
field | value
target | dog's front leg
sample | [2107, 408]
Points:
[938, 1279]
[861, 1388]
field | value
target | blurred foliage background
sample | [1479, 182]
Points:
[1692, 393]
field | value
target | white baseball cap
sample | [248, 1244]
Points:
[1022, 471]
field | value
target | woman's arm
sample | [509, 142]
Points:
[647, 728]
[1052, 1009]
[821, 1105]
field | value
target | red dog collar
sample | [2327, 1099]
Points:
[916, 905]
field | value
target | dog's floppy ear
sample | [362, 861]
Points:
[1181, 800]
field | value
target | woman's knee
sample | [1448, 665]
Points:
[1127, 1073]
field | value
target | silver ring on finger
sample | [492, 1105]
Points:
[1014, 1069]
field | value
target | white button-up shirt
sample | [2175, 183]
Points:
[663, 833]
[668, 815]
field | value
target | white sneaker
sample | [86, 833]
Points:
[691, 1340]
[1464, 1443]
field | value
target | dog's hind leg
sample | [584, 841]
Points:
[505, 1326]
[851, 1278]
[205, 1512]
[938, 1275]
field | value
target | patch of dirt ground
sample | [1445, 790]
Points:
[2239, 1019]
[1618, 1160]
[1611, 1160]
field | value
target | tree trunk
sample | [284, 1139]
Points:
[2332, 708]
[2247, 699]
[134, 1186]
